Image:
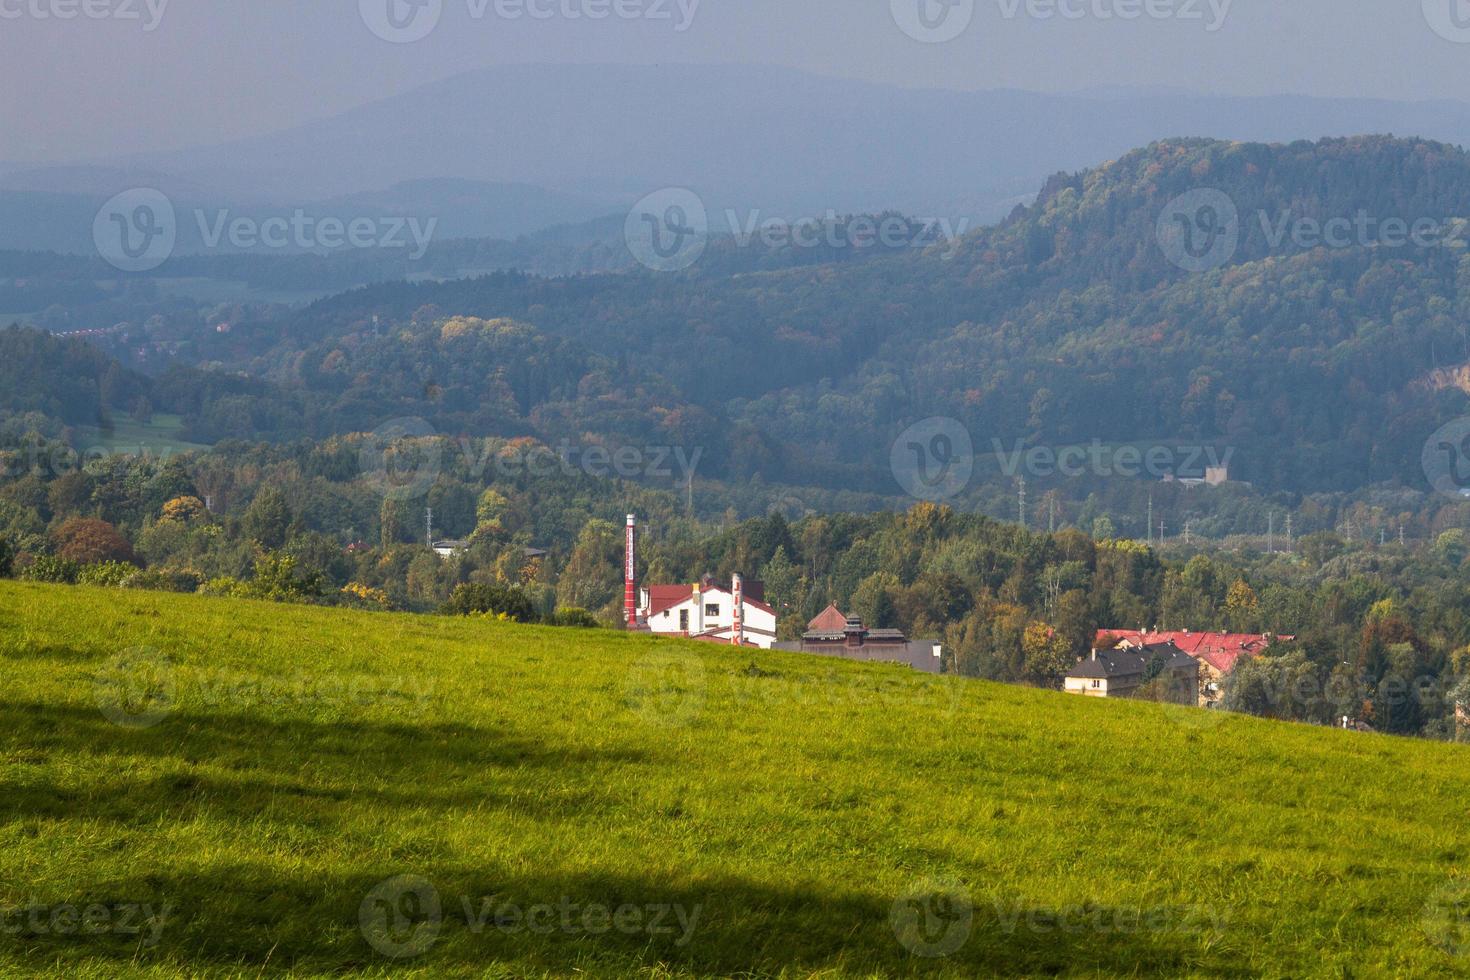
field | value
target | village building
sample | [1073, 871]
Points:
[1217, 653]
[832, 634]
[1121, 671]
[707, 610]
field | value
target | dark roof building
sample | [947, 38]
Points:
[1121, 671]
[851, 640]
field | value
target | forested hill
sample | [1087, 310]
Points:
[1261, 301]
[1071, 321]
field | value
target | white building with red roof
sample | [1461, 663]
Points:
[706, 610]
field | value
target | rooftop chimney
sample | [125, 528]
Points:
[737, 631]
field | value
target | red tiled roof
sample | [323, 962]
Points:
[1219, 650]
[829, 620]
[661, 597]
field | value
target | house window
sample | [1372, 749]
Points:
[684, 620]
[712, 611]
[1097, 684]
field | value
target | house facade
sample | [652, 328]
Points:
[707, 610]
[1121, 671]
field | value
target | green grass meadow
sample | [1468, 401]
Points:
[208, 787]
[159, 436]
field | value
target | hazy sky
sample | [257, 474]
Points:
[209, 70]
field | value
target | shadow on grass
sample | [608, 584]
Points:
[232, 915]
[246, 917]
[239, 765]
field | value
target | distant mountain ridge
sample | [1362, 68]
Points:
[760, 137]
[768, 142]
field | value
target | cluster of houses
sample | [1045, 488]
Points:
[1190, 666]
[1184, 666]
[739, 615]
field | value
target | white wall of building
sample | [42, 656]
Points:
[714, 610]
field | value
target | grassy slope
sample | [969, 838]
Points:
[310, 754]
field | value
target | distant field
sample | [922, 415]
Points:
[313, 792]
[159, 435]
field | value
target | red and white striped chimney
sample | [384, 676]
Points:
[737, 633]
[630, 575]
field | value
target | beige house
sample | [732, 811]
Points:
[1119, 673]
